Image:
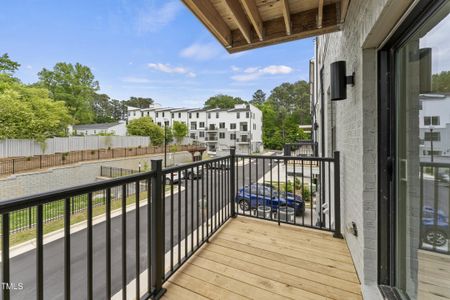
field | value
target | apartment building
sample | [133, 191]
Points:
[218, 129]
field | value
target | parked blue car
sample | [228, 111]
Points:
[435, 227]
[258, 195]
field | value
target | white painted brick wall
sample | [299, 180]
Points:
[356, 123]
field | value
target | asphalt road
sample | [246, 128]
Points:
[23, 266]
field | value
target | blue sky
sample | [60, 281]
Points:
[152, 48]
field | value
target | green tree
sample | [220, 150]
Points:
[103, 109]
[145, 127]
[139, 102]
[222, 101]
[73, 84]
[7, 66]
[441, 82]
[258, 98]
[28, 113]
[180, 130]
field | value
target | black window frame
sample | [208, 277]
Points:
[386, 254]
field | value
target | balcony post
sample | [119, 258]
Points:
[232, 180]
[337, 196]
[157, 231]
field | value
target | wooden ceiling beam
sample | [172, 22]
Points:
[344, 8]
[239, 17]
[208, 15]
[286, 16]
[320, 14]
[255, 18]
[304, 24]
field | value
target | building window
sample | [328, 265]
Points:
[432, 136]
[222, 125]
[197, 115]
[166, 123]
[238, 115]
[254, 116]
[179, 115]
[232, 125]
[190, 115]
[221, 135]
[202, 125]
[247, 114]
[202, 134]
[148, 113]
[193, 125]
[434, 120]
[163, 114]
[156, 114]
[193, 136]
[159, 124]
[254, 126]
[217, 115]
[134, 113]
[142, 113]
[233, 136]
[209, 115]
[173, 115]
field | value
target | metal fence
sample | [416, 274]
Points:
[27, 147]
[172, 219]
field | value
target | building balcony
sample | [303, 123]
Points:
[202, 236]
[212, 128]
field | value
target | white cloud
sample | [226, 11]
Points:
[235, 69]
[254, 73]
[152, 18]
[199, 51]
[166, 68]
[132, 79]
[29, 67]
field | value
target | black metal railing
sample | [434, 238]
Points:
[301, 191]
[168, 214]
[434, 206]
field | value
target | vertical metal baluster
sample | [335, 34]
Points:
[67, 249]
[320, 165]
[5, 255]
[243, 181]
[236, 186]
[271, 189]
[108, 242]
[124, 240]
[257, 189]
[303, 193]
[179, 217]
[203, 202]
[216, 197]
[293, 190]
[149, 235]
[89, 250]
[264, 186]
[250, 183]
[171, 221]
[192, 212]
[286, 191]
[329, 195]
[197, 204]
[208, 215]
[186, 215]
[138, 250]
[311, 191]
[39, 254]
[278, 206]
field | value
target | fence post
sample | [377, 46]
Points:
[337, 196]
[157, 231]
[232, 180]
[40, 161]
[13, 166]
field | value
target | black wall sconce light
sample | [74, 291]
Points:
[339, 80]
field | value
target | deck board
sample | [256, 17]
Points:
[253, 259]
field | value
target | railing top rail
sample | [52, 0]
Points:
[434, 164]
[194, 164]
[42, 198]
[300, 158]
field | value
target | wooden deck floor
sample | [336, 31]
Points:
[252, 259]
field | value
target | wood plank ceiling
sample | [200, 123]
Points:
[246, 24]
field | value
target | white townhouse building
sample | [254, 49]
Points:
[218, 129]
[117, 128]
[434, 124]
